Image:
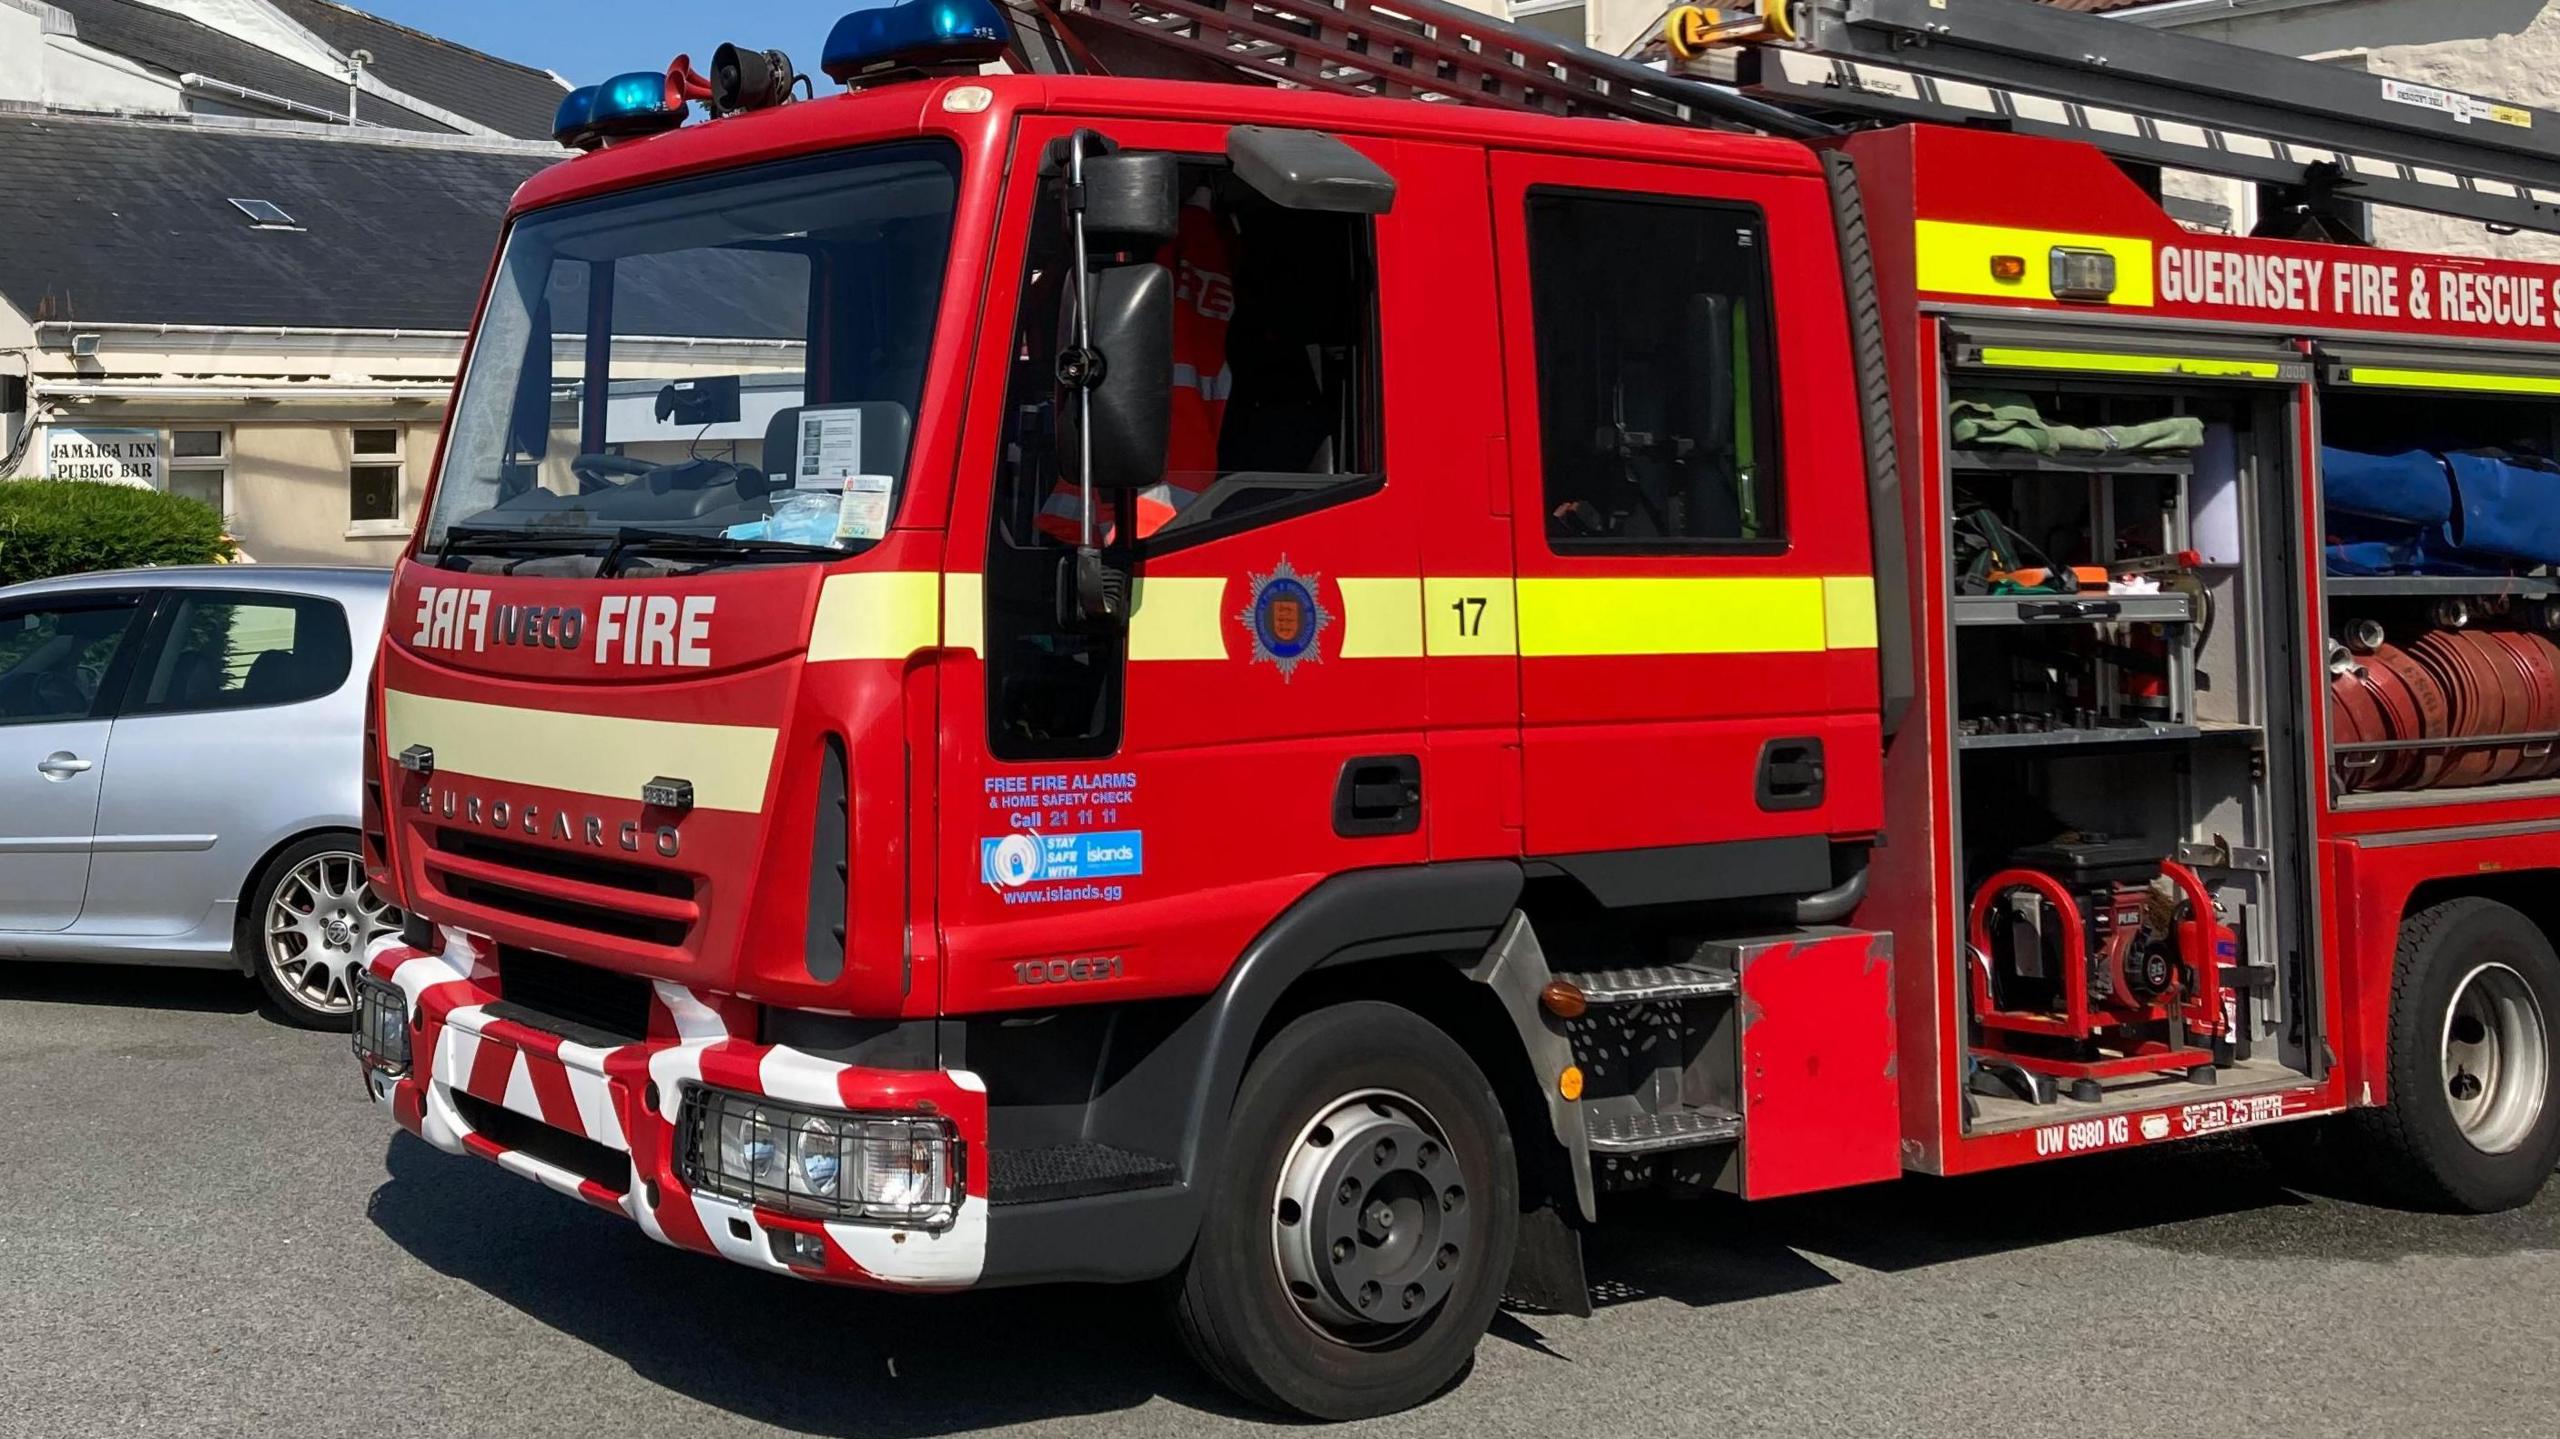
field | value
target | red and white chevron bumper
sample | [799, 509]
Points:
[596, 1112]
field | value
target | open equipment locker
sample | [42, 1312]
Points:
[2451, 398]
[2214, 787]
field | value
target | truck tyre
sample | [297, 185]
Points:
[1360, 1222]
[2473, 1119]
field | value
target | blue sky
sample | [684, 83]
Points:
[589, 40]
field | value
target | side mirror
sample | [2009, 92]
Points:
[1116, 419]
[1130, 202]
[1126, 378]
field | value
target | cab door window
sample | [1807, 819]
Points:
[1657, 410]
[1275, 384]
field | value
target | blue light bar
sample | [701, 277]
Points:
[915, 36]
[640, 103]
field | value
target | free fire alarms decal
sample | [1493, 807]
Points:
[1285, 619]
[1064, 831]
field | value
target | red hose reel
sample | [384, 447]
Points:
[2128, 1006]
[2442, 688]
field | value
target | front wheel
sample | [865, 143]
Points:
[309, 920]
[1360, 1224]
[2473, 1118]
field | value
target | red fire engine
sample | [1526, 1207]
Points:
[1766, 623]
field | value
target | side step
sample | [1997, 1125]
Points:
[1626, 1130]
[1651, 984]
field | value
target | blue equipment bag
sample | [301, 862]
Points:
[2410, 487]
[2508, 511]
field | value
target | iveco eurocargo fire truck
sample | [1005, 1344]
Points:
[1281, 646]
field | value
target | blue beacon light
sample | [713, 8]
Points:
[915, 37]
[643, 102]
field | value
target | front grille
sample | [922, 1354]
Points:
[580, 996]
[556, 1147]
[522, 889]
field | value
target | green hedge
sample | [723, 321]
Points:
[64, 527]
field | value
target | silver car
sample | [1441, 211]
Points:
[180, 762]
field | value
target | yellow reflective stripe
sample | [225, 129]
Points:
[2454, 380]
[893, 614]
[2100, 363]
[1177, 618]
[877, 615]
[1849, 612]
[1670, 616]
[1955, 259]
[964, 617]
[1469, 616]
[1381, 618]
[605, 755]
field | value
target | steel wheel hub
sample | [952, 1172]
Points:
[2497, 1058]
[323, 918]
[1369, 1223]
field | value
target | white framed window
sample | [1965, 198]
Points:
[374, 469]
[200, 467]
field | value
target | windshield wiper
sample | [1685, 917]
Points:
[511, 538]
[715, 548]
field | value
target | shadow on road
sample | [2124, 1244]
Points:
[826, 1361]
[2212, 1199]
[804, 1357]
[126, 986]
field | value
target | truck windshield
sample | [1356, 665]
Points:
[728, 366]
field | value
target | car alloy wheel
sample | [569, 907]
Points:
[323, 918]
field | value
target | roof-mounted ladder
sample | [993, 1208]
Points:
[2164, 98]
[1408, 50]
[2142, 95]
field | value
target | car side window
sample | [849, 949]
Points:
[57, 660]
[228, 651]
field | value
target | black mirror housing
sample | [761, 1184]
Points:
[1132, 202]
[1132, 394]
[1309, 170]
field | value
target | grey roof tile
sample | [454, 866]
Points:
[512, 99]
[138, 225]
[178, 45]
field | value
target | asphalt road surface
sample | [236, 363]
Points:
[203, 1230]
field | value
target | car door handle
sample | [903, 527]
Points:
[61, 764]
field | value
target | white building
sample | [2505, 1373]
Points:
[245, 241]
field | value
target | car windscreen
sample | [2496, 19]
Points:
[728, 363]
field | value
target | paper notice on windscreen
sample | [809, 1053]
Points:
[865, 515]
[830, 449]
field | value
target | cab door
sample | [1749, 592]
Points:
[1695, 600]
[1126, 808]
[63, 661]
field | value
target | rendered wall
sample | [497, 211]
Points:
[2501, 49]
[21, 54]
[289, 492]
[78, 76]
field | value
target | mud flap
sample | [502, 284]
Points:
[1546, 1270]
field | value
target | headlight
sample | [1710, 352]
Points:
[381, 1025]
[880, 1169]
